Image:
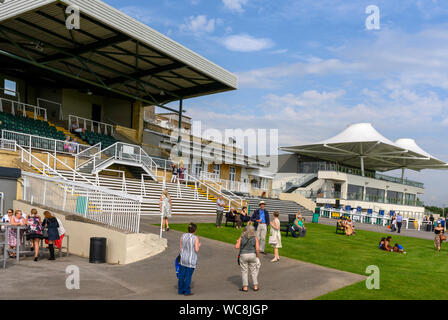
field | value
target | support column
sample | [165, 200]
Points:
[402, 174]
[138, 120]
[179, 140]
[362, 167]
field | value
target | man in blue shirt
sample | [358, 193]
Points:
[399, 221]
[260, 218]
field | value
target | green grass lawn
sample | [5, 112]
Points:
[420, 274]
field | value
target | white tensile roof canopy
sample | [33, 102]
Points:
[360, 145]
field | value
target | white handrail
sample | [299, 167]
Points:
[208, 188]
[221, 187]
[21, 106]
[61, 117]
[30, 159]
[72, 118]
[78, 155]
[29, 138]
[74, 172]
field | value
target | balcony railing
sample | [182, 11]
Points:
[356, 196]
[324, 166]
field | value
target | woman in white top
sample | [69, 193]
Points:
[276, 235]
[165, 206]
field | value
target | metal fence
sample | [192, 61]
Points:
[115, 209]
[33, 142]
[17, 107]
[87, 124]
[9, 145]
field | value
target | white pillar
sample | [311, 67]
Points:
[362, 166]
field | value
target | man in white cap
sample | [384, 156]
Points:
[260, 218]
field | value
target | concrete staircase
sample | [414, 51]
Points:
[187, 204]
[282, 206]
[211, 197]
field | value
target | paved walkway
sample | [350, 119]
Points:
[217, 277]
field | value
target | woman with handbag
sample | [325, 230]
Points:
[249, 257]
[439, 236]
[34, 232]
[51, 232]
[275, 240]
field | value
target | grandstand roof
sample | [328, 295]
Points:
[111, 52]
[360, 145]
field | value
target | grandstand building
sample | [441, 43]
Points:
[100, 85]
[346, 171]
[207, 160]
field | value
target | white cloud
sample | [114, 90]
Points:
[200, 24]
[272, 77]
[246, 43]
[235, 5]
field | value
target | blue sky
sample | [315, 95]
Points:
[309, 68]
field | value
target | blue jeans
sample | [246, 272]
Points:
[185, 275]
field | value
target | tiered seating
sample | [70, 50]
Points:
[29, 126]
[282, 206]
[93, 138]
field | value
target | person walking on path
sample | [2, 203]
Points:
[260, 218]
[438, 236]
[249, 257]
[52, 225]
[165, 206]
[219, 211]
[276, 238]
[189, 248]
[399, 222]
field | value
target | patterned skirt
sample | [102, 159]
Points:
[437, 240]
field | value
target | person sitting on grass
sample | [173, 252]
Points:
[387, 245]
[382, 243]
[399, 248]
[348, 226]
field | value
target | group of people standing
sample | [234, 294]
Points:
[36, 229]
[177, 173]
[396, 223]
[250, 244]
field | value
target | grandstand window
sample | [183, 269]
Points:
[355, 192]
[10, 87]
[394, 197]
[232, 173]
[375, 195]
[217, 170]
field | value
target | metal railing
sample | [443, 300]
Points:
[232, 198]
[327, 166]
[208, 177]
[9, 145]
[18, 107]
[33, 142]
[39, 100]
[91, 202]
[84, 156]
[236, 186]
[122, 152]
[90, 125]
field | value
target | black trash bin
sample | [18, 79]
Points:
[97, 250]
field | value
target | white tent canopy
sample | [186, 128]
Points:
[360, 145]
[430, 162]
